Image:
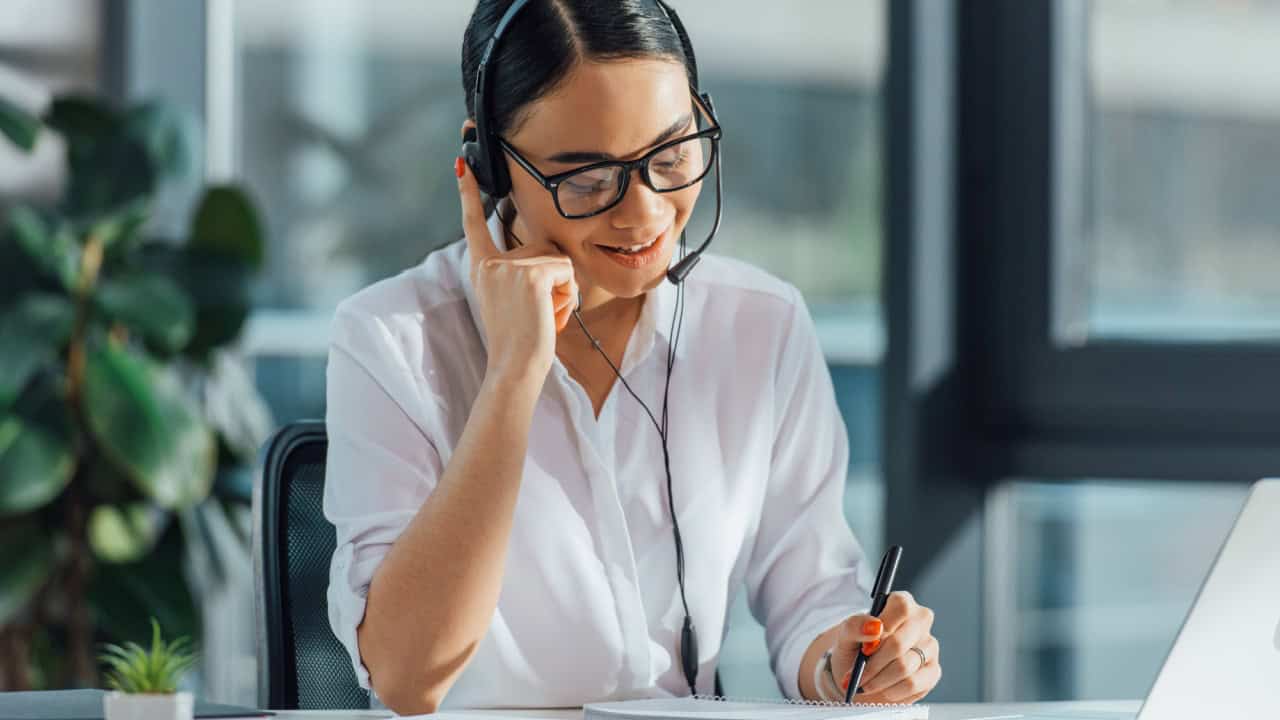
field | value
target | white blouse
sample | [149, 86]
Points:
[589, 607]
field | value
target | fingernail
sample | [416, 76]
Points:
[844, 684]
[459, 166]
[872, 627]
[870, 647]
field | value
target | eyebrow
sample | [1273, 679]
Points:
[580, 156]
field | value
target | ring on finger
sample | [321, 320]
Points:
[924, 659]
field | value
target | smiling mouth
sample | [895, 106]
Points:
[631, 249]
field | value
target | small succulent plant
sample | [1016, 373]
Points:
[132, 668]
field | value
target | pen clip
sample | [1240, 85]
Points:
[888, 569]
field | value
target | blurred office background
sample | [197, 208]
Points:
[1000, 214]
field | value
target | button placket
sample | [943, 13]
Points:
[614, 538]
[597, 446]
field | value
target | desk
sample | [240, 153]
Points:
[937, 711]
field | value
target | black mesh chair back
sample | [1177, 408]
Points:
[301, 665]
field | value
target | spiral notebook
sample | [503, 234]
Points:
[711, 707]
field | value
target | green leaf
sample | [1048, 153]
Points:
[18, 273]
[81, 118]
[56, 251]
[36, 452]
[109, 167]
[137, 670]
[223, 295]
[22, 573]
[21, 127]
[156, 646]
[108, 175]
[158, 126]
[35, 466]
[220, 287]
[120, 228]
[153, 305]
[124, 533]
[116, 655]
[226, 225]
[148, 426]
[32, 334]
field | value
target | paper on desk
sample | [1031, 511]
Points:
[686, 708]
[512, 714]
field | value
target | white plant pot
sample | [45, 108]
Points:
[140, 706]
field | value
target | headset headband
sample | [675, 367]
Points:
[481, 149]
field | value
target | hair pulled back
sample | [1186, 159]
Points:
[548, 39]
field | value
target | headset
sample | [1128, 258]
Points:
[484, 156]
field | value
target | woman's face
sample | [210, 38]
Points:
[603, 111]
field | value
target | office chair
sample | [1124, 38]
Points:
[301, 665]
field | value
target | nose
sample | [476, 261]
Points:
[640, 206]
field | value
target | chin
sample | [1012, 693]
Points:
[628, 288]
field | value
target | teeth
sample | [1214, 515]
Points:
[634, 248]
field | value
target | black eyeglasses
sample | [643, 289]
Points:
[593, 189]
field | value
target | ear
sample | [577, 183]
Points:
[468, 125]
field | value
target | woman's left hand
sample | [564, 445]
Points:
[895, 672]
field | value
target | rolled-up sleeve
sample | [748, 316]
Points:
[807, 571]
[381, 465]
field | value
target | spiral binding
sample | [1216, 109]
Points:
[793, 701]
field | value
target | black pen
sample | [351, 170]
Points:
[879, 598]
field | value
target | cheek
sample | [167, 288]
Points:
[532, 200]
[684, 201]
[575, 236]
[540, 216]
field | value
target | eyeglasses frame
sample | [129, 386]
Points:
[552, 182]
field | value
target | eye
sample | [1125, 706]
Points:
[590, 181]
[672, 158]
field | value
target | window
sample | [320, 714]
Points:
[1092, 338]
[46, 48]
[1180, 145]
[345, 120]
[1092, 581]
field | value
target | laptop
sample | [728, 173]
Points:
[1225, 662]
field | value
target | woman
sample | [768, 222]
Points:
[504, 511]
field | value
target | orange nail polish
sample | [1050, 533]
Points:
[870, 647]
[844, 684]
[872, 627]
[459, 166]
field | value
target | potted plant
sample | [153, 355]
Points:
[144, 683]
[126, 421]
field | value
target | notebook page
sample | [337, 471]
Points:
[685, 708]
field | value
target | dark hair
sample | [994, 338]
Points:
[549, 38]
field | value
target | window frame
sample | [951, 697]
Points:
[982, 383]
[1055, 407]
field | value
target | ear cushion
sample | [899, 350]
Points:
[492, 180]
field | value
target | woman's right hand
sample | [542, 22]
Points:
[526, 295]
